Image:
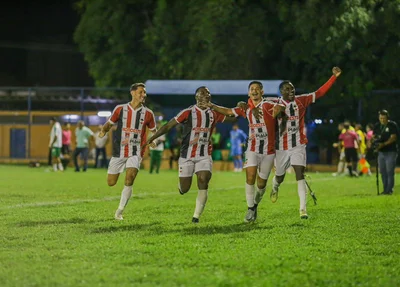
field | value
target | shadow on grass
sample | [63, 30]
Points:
[51, 222]
[226, 229]
[132, 227]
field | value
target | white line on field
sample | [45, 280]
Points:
[112, 198]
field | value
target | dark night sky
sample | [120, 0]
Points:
[37, 47]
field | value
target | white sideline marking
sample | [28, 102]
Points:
[112, 198]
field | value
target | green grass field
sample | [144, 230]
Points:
[58, 230]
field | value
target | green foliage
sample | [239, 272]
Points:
[58, 230]
[227, 39]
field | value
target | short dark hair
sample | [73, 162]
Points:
[198, 89]
[135, 86]
[283, 83]
[346, 126]
[256, 82]
[384, 113]
[53, 119]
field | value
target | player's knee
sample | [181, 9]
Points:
[111, 182]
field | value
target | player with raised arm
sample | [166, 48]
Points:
[291, 138]
[195, 154]
[260, 152]
[132, 119]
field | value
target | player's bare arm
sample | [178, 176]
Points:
[336, 71]
[163, 130]
[105, 129]
[222, 110]
[153, 144]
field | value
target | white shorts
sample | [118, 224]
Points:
[264, 162]
[188, 167]
[118, 164]
[286, 158]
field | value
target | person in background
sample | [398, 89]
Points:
[238, 138]
[83, 134]
[156, 152]
[216, 139]
[100, 148]
[350, 141]
[55, 144]
[385, 135]
[66, 145]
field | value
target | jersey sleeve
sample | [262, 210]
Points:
[268, 107]
[239, 112]
[151, 120]
[183, 115]
[115, 115]
[219, 118]
[307, 99]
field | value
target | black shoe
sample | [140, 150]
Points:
[180, 192]
[195, 220]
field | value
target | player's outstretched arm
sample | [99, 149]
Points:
[336, 71]
[105, 129]
[221, 110]
[163, 130]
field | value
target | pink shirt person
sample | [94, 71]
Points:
[66, 137]
[349, 139]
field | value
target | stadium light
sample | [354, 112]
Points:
[105, 114]
[71, 117]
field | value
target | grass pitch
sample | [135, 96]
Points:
[58, 230]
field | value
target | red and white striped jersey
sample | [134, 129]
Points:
[293, 133]
[198, 125]
[131, 130]
[261, 131]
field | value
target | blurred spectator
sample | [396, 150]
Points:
[83, 134]
[66, 145]
[100, 148]
[216, 139]
[238, 138]
[156, 153]
[55, 144]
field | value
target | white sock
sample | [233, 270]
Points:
[125, 195]
[201, 201]
[302, 191]
[60, 166]
[250, 195]
[259, 195]
[54, 166]
[340, 167]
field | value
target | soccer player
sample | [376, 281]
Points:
[55, 144]
[260, 152]
[132, 119]
[238, 137]
[292, 140]
[198, 122]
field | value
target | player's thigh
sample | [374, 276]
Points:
[298, 156]
[347, 155]
[115, 167]
[251, 164]
[282, 162]
[266, 165]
